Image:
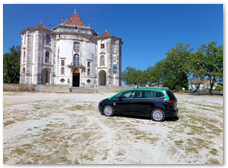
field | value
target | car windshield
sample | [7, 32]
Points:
[117, 96]
[129, 94]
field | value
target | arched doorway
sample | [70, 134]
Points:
[76, 78]
[102, 78]
[46, 76]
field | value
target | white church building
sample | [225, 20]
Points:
[70, 54]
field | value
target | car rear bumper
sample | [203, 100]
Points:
[172, 113]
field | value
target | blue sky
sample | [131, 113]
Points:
[147, 31]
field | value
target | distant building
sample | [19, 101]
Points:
[70, 54]
[202, 83]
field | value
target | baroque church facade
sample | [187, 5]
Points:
[70, 54]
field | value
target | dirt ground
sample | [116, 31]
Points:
[67, 128]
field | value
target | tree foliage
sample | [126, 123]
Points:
[180, 66]
[176, 68]
[155, 73]
[131, 76]
[11, 65]
[207, 62]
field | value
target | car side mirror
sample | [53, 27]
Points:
[120, 98]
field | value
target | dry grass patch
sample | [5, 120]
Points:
[142, 135]
[84, 106]
[212, 161]
[213, 151]
[8, 123]
[205, 123]
[196, 144]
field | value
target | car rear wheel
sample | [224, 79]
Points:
[108, 110]
[157, 115]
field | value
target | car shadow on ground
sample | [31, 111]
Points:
[170, 119]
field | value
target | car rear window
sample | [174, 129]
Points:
[160, 94]
[171, 95]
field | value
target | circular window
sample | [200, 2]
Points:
[88, 81]
[62, 80]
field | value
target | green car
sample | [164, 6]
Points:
[148, 102]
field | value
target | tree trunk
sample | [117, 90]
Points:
[210, 86]
[210, 91]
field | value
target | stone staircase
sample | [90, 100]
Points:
[83, 90]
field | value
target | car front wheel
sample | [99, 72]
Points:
[108, 110]
[157, 115]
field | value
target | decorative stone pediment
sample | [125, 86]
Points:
[76, 66]
[46, 47]
[102, 52]
[100, 68]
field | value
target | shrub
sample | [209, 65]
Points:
[218, 89]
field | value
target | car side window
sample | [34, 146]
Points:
[159, 94]
[128, 94]
[149, 94]
[152, 94]
[139, 94]
[144, 94]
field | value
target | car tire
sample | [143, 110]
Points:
[158, 115]
[108, 110]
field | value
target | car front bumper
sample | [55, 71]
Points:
[100, 107]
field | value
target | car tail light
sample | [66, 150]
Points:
[170, 101]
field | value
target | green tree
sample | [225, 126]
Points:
[140, 77]
[128, 76]
[207, 62]
[11, 65]
[150, 75]
[176, 67]
[155, 73]
[131, 76]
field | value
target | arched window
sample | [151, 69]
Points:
[62, 62]
[88, 65]
[47, 56]
[76, 46]
[23, 70]
[48, 39]
[24, 57]
[102, 60]
[62, 71]
[76, 60]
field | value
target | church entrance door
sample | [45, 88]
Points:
[76, 78]
[102, 78]
[46, 76]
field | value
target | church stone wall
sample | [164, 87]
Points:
[40, 71]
